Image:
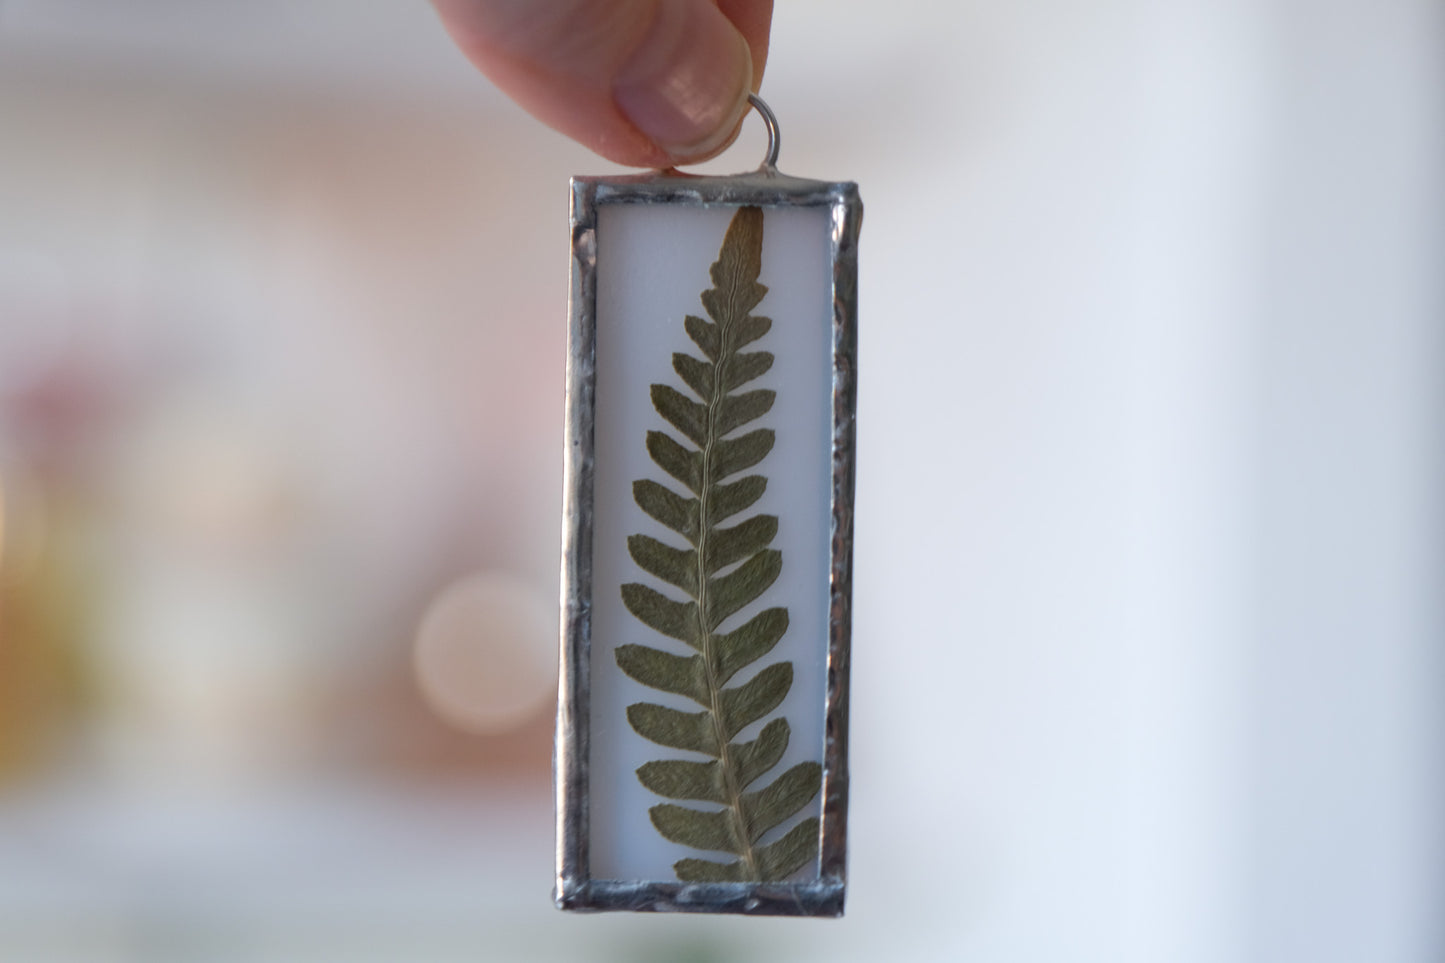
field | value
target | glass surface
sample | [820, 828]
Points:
[652, 265]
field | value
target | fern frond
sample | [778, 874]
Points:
[721, 571]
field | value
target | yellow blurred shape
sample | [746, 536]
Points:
[43, 606]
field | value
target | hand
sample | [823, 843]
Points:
[646, 83]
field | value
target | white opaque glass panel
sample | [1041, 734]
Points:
[652, 265]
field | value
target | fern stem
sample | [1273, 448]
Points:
[731, 789]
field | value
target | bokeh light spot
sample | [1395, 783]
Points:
[485, 657]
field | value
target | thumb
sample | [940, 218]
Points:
[647, 83]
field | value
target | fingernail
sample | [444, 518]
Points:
[686, 85]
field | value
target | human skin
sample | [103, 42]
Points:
[644, 83]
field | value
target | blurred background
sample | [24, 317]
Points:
[1148, 639]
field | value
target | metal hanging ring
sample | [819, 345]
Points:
[770, 162]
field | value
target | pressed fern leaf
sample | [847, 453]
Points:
[721, 571]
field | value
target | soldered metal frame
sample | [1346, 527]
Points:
[576, 889]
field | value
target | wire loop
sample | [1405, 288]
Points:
[770, 162]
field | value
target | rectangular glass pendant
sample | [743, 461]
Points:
[701, 758]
